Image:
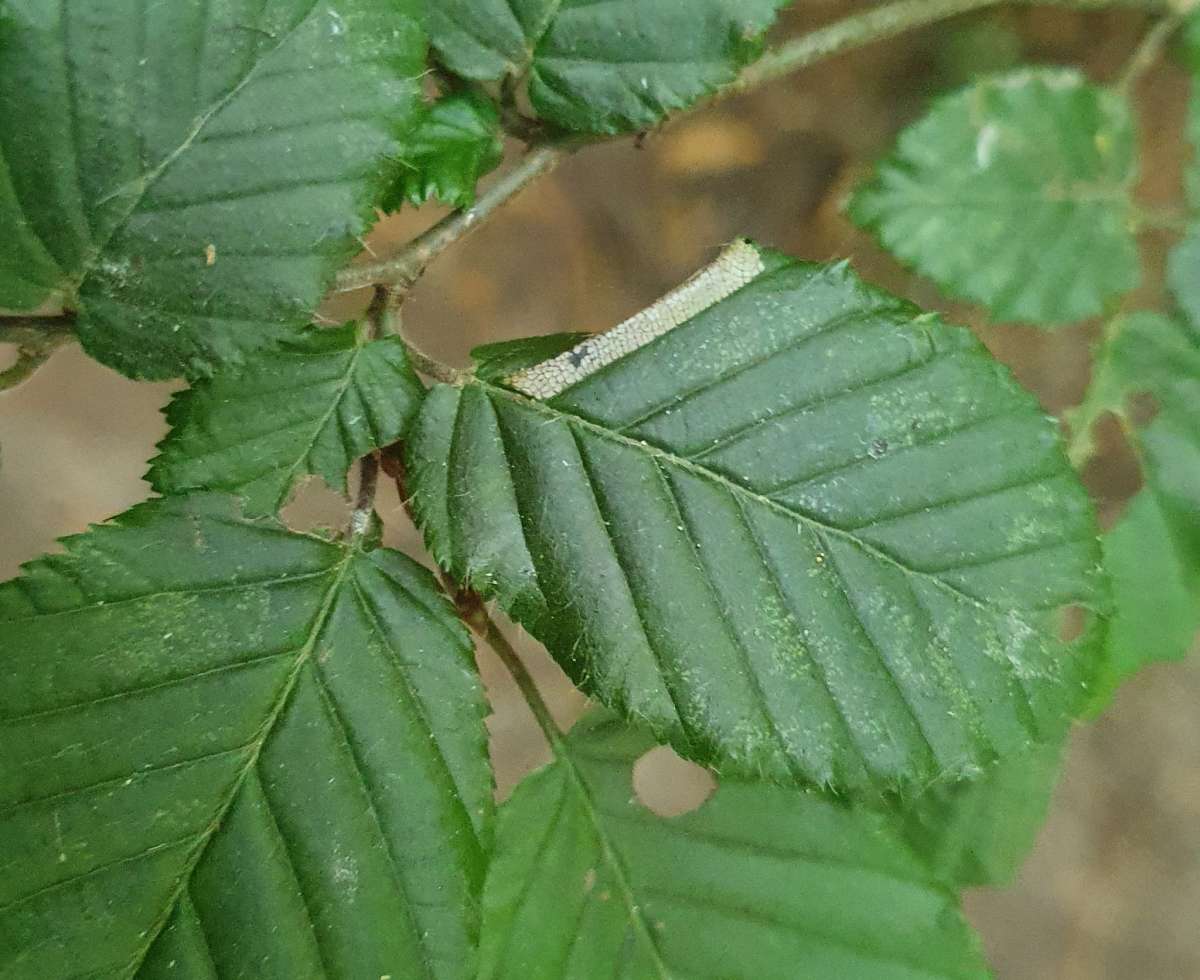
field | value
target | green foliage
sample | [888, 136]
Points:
[1153, 553]
[190, 176]
[846, 576]
[312, 407]
[230, 748]
[1183, 272]
[456, 142]
[1014, 193]
[1183, 276]
[781, 520]
[979, 833]
[759, 882]
[603, 67]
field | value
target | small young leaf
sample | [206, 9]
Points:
[190, 175]
[799, 529]
[760, 882]
[314, 406]
[234, 750]
[456, 143]
[603, 67]
[1014, 193]
[1153, 553]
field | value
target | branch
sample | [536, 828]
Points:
[473, 612]
[1148, 51]
[404, 269]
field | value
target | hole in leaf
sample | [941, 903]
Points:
[670, 786]
[316, 508]
[1073, 622]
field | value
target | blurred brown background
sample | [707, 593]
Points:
[1113, 887]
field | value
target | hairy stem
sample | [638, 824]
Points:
[405, 268]
[1148, 52]
[852, 32]
[431, 367]
[473, 612]
[888, 21]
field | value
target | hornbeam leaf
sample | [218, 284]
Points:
[456, 142]
[1153, 553]
[603, 67]
[1015, 193]
[798, 528]
[314, 406]
[190, 175]
[231, 750]
[760, 881]
[979, 833]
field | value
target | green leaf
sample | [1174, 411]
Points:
[456, 142]
[979, 833]
[1183, 276]
[234, 750]
[760, 882]
[495, 361]
[1190, 43]
[1153, 553]
[190, 175]
[799, 529]
[315, 406]
[603, 67]
[1015, 193]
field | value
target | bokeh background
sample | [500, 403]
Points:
[1112, 889]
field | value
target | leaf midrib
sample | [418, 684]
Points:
[328, 601]
[819, 527]
[611, 856]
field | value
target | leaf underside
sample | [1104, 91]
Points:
[805, 533]
[190, 175]
[761, 881]
[602, 67]
[312, 407]
[231, 750]
[1014, 193]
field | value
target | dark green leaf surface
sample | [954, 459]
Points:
[230, 750]
[1014, 193]
[1153, 553]
[191, 174]
[456, 142]
[314, 406]
[979, 833]
[603, 67]
[801, 530]
[760, 882]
